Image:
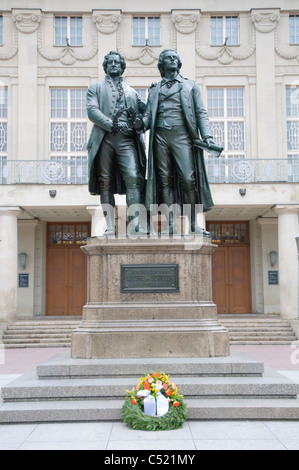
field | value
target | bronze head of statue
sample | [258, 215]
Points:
[171, 56]
[114, 64]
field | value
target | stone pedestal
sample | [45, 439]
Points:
[149, 298]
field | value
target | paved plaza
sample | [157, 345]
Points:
[195, 435]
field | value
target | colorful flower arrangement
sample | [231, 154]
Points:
[155, 404]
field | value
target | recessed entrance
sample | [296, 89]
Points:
[231, 267]
[66, 268]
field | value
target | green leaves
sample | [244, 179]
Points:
[134, 417]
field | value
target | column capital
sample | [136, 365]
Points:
[27, 21]
[286, 209]
[94, 210]
[264, 221]
[28, 223]
[265, 20]
[15, 211]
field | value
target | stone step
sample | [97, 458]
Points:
[262, 331]
[36, 340]
[259, 328]
[38, 345]
[28, 388]
[262, 338]
[110, 410]
[28, 329]
[260, 343]
[21, 337]
[62, 367]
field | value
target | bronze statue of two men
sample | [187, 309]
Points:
[175, 115]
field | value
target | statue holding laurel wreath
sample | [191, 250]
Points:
[117, 159]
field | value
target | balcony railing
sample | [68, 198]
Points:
[219, 171]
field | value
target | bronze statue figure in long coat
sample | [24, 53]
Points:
[117, 159]
[176, 115]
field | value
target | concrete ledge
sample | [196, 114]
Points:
[29, 388]
[62, 366]
[110, 410]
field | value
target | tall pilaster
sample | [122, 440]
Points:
[26, 244]
[288, 228]
[107, 23]
[8, 262]
[27, 23]
[186, 23]
[265, 22]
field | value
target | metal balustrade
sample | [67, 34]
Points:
[75, 171]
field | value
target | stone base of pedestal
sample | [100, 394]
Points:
[149, 298]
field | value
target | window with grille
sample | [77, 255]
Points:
[68, 29]
[224, 29]
[3, 121]
[229, 233]
[68, 131]
[1, 30]
[292, 104]
[294, 29]
[226, 109]
[146, 29]
[3, 133]
[68, 234]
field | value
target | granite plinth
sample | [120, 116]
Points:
[179, 323]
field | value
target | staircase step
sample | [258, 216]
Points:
[110, 410]
[52, 332]
[260, 343]
[62, 367]
[29, 388]
[37, 345]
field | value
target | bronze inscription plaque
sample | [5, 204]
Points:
[151, 278]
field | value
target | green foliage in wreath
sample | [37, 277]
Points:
[133, 410]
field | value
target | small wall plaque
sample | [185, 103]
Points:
[151, 278]
[273, 278]
[23, 280]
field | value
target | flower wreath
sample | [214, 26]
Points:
[155, 391]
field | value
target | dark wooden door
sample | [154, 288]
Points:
[231, 279]
[66, 281]
[66, 268]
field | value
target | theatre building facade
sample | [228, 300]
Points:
[245, 58]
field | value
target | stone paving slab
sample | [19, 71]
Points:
[228, 435]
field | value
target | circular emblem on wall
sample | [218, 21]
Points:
[242, 170]
[53, 171]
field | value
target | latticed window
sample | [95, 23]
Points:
[146, 28]
[224, 29]
[294, 29]
[226, 110]
[68, 28]
[3, 120]
[3, 133]
[1, 30]
[68, 234]
[232, 233]
[68, 129]
[292, 94]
